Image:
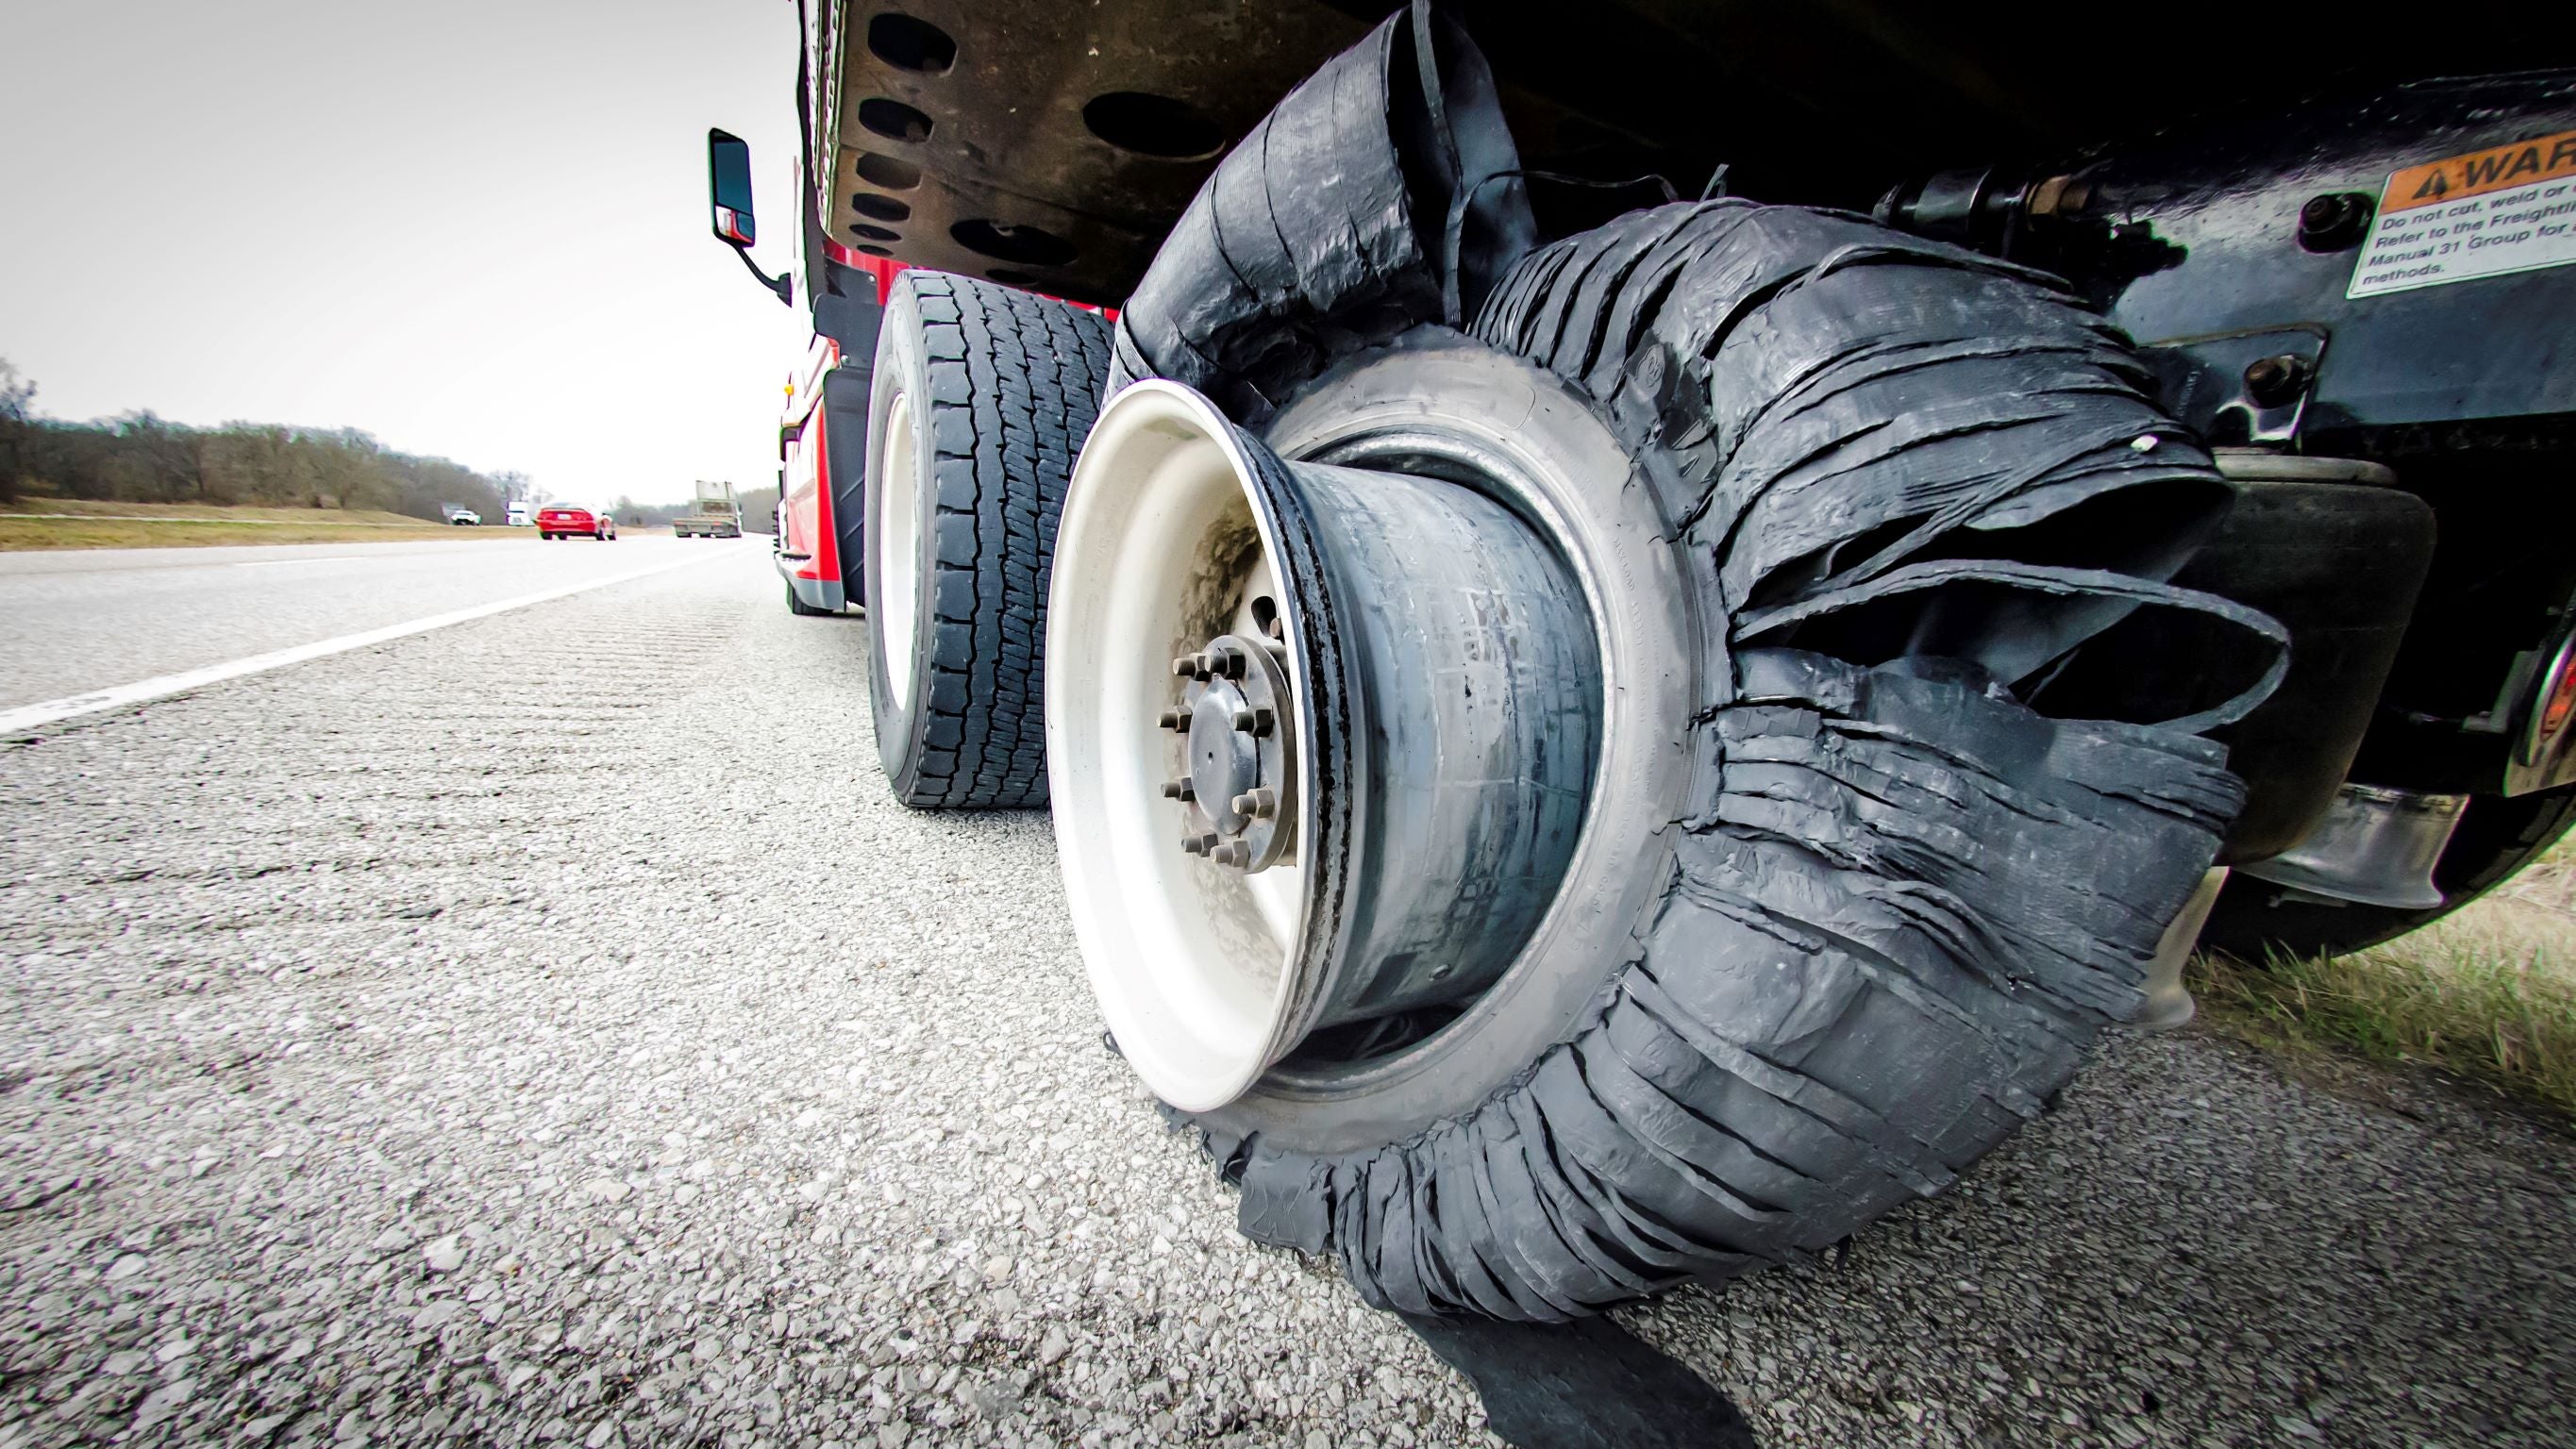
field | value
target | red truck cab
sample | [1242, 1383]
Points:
[822, 442]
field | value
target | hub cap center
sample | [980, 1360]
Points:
[1237, 785]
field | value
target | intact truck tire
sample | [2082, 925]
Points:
[1848, 909]
[980, 399]
[2256, 921]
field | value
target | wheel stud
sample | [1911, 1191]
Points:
[1183, 788]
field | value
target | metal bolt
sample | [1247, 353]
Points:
[1232, 852]
[1227, 662]
[1193, 845]
[1175, 720]
[2274, 381]
[1260, 803]
[1183, 788]
[1185, 667]
[2334, 221]
[1252, 721]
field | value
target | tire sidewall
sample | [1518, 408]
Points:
[901, 368]
[1602, 519]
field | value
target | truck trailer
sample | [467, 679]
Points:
[1640, 621]
[716, 513]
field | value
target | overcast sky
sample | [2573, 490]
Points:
[473, 228]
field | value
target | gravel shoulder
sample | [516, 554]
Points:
[410, 1046]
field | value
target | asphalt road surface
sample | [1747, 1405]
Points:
[448, 1041]
[73, 620]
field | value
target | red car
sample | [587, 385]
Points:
[563, 520]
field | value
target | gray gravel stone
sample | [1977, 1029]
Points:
[728, 1083]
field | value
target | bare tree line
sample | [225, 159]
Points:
[141, 458]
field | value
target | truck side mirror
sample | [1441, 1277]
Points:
[729, 196]
[729, 188]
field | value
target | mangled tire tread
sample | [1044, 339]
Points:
[1892, 906]
[1870, 965]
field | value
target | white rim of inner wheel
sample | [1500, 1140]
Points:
[1159, 550]
[899, 551]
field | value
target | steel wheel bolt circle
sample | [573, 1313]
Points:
[1235, 762]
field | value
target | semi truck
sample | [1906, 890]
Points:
[716, 514]
[1639, 623]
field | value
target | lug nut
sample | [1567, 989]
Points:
[1252, 721]
[1193, 845]
[1185, 667]
[1232, 852]
[1183, 788]
[1227, 662]
[1260, 803]
[1175, 720]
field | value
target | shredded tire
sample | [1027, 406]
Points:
[1906, 487]
[1902, 901]
[1006, 385]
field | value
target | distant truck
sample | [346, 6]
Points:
[718, 514]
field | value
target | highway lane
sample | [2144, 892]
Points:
[75, 620]
[431, 1044]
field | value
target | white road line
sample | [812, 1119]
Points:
[31, 716]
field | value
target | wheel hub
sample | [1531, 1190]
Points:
[1238, 784]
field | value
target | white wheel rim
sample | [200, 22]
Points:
[899, 546]
[1159, 549]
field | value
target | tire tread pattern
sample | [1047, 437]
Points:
[1015, 381]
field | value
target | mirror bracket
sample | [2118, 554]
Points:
[782, 284]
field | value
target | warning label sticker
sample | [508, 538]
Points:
[2485, 214]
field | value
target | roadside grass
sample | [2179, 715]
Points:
[2487, 994]
[21, 533]
[231, 512]
[48, 523]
